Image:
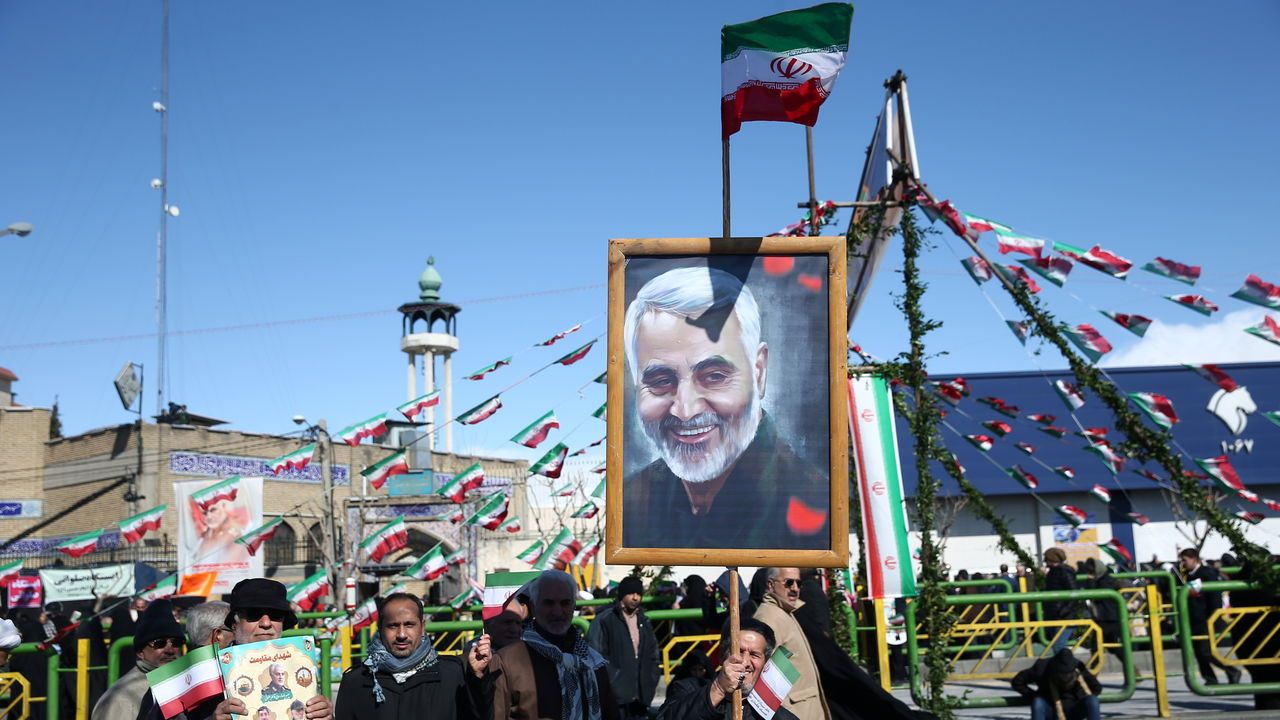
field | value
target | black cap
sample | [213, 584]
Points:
[630, 584]
[156, 622]
[260, 594]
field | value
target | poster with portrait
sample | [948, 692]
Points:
[207, 531]
[727, 432]
[273, 678]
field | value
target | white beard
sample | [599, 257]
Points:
[692, 464]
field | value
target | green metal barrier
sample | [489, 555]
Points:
[1126, 648]
[1192, 673]
[118, 646]
[51, 696]
[1009, 609]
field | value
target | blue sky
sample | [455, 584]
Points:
[321, 151]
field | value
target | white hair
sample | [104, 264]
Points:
[203, 619]
[689, 293]
[551, 576]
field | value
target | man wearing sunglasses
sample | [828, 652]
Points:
[157, 640]
[781, 600]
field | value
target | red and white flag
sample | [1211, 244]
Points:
[535, 432]
[559, 336]
[1072, 514]
[378, 473]
[982, 442]
[134, 528]
[1117, 551]
[1011, 242]
[187, 682]
[1174, 270]
[1215, 375]
[1136, 324]
[80, 545]
[296, 460]
[1259, 292]
[1089, 340]
[418, 405]
[552, 463]
[1157, 407]
[255, 538]
[1222, 472]
[1070, 394]
[1268, 330]
[1101, 493]
[371, 428]
[218, 492]
[481, 412]
[1026, 479]
[311, 589]
[1199, 303]
[386, 540]
[574, 356]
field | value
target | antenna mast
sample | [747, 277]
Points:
[162, 290]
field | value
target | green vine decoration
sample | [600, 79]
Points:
[923, 419]
[1144, 444]
[841, 614]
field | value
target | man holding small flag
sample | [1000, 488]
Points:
[709, 699]
[806, 699]
[157, 641]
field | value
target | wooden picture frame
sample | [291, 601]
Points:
[652, 486]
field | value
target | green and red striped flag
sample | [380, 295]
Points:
[535, 432]
[479, 374]
[1053, 430]
[364, 615]
[499, 587]
[1199, 303]
[1053, 269]
[511, 525]
[1136, 324]
[1024, 478]
[1065, 471]
[586, 512]
[163, 589]
[492, 511]
[186, 682]
[1108, 455]
[430, 566]
[309, 590]
[1089, 340]
[1222, 472]
[481, 412]
[980, 224]
[601, 468]
[531, 554]
[782, 67]
[982, 442]
[1072, 514]
[1101, 493]
[418, 405]
[462, 483]
[575, 355]
[1273, 416]
[1174, 270]
[217, 492]
[774, 683]
[9, 571]
[386, 540]
[1268, 329]
[879, 487]
[589, 552]
[461, 600]
[1117, 551]
[371, 428]
[1259, 292]
[562, 550]
[296, 460]
[457, 557]
[1097, 258]
[552, 463]
[600, 411]
[254, 539]
[80, 545]
[134, 528]
[1157, 407]
[559, 336]
[378, 473]
[999, 427]
[1012, 242]
[1070, 394]
[1251, 517]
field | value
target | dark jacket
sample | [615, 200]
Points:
[634, 677]
[691, 700]
[787, 500]
[523, 685]
[440, 692]
[1201, 606]
[1037, 674]
[1105, 612]
[1060, 577]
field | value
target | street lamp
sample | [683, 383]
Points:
[21, 229]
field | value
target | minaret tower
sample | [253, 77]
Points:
[430, 329]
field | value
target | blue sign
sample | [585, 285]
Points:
[21, 508]
[409, 484]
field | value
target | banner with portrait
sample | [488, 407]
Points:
[207, 535]
[727, 363]
[87, 583]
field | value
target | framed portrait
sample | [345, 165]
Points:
[728, 438]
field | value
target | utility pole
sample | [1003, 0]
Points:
[329, 527]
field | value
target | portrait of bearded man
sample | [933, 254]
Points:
[725, 475]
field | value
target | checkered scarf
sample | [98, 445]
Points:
[580, 694]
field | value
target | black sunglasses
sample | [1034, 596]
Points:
[158, 643]
[788, 582]
[255, 614]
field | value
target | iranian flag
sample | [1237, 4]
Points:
[1097, 258]
[493, 510]
[80, 545]
[418, 405]
[1025, 447]
[1117, 551]
[1065, 471]
[462, 483]
[186, 682]
[999, 427]
[878, 482]
[1215, 375]
[1104, 451]
[1271, 504]
[1023, 477]
[132, 529]
[775, 681]
[225, 490]
[559, 336]
[1149, 475]
[1000, 406]
[378, 473]
[454, 516]
[982, 442]
[371, 428]
[1139, 519]
[1042, 418]
[1072, 514]
[589, 552]
[499, 587]
[1199, 303]
[1053, 269]
[1053, 430]
[254, 539]
[463, 598]
[530, 555]
[457, 557]
[1268, 330]
[364, 615]
[1174, 270]
[955, 464]
[576, 355]
[782, 67]
[1012, 242]
[953, 391]
[1259, 292]
[1089, 340]
[1020, 330]
[566, 490]
[163, 589]
[428, 567]
[562, 550]
[1251, 517]
[599, 412]
[511, 525]
[1222, 472]
[479, 374]
[307, 592]
[9, 571]
[1070, 394]
[586, 512]
[535, 432]
[1249, 496]
[601, 468]
[982, 225]
[977, 268]
[1092, 434]
[1015, 274]
[1101, 493]
[296, 460]
[1136, 324]
[1157, 407]
[481, 412]
[552, 463]
[386, 540]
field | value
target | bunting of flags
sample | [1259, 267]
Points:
[1025, 447]
[428, 567]
[134, 528]
[1026, 479]
[1139, 519]
[1222, 472]
[296, 460]
[552, 463]
[977, 268]
[599, 412]
[1215, 375]
[982, 442]
[559, 336]
[589, 552]
[163, 589]
[1072, 514]
[1053, 431]
[562, 550]
[1157, 407]
[1012, 242]
[469, 479]
[463, 598]
[1101, 493]
[1097, 258]
[9, 571]
[481, 412]
[482, 372]
[493, 510]
[1103, 450]
[1268, 330]
[1015, 274]
[1199, 303]
[1259, 292]
[1065, 471]
[535, 432]
[386, 540]
[1174, 270]
[311, 589]
[224, 490]
[371, 428]
[1042, 418]
[511, 525]
[587, 511]
[378, 473]
[1053, 269]
[999, 427]
[531, 554]
[576, 355]
[80, 545]
[1000, 406]
[254, 539]
[1251, 517]
[1070, 394]
[1136, 324]
[419, 405]
[457, 557]
[1088, 340]
[979, 224]
[1020, 330]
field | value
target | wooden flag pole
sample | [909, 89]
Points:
[724, 169]
[735, 621]
[813, 192]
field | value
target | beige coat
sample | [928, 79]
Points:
[123, 699]
[806, 698]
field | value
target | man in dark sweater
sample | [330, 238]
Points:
[1060, 576]
[1200, 605]
[1065, 689]
[623, 634]
[711, 699]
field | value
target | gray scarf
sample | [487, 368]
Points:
[379, 659]
[577, 672]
